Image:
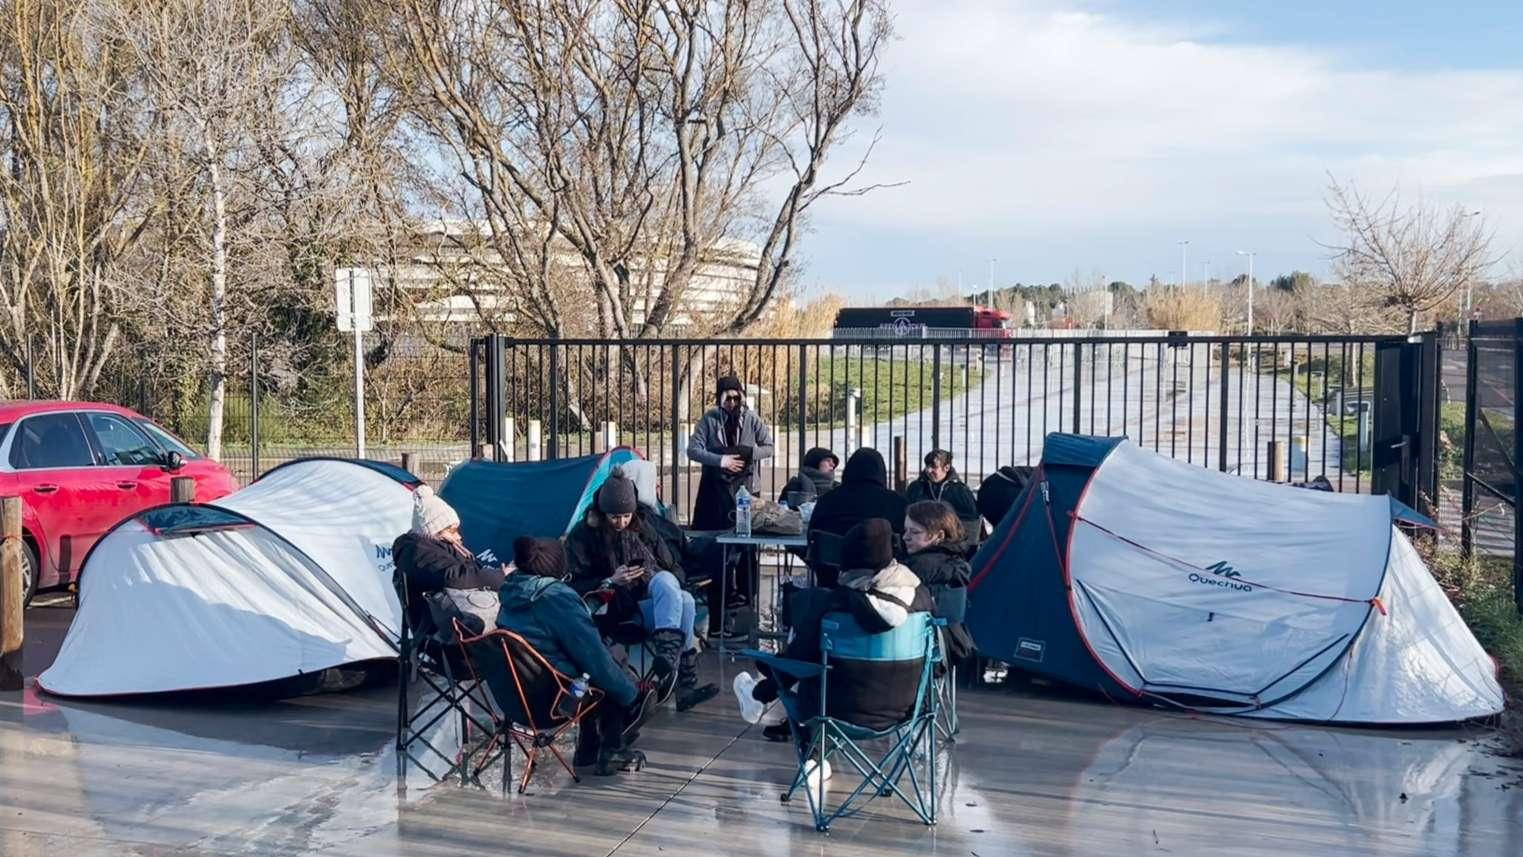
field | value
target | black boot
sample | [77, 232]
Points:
[611, 762]
[689, 694]
[587, 745]
[667, 644]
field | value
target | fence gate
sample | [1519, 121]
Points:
[1491, 525]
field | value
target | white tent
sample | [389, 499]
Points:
[288, 576]
[1160, 581]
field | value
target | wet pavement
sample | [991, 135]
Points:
[1035, 772]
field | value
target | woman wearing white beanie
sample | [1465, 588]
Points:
[432, 556]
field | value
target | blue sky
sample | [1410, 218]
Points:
[1090, 138]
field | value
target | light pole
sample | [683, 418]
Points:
[1249, 254]
[992, 260]
[1465, 313]
[1183, 251]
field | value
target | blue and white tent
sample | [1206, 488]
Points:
[288, 576]
[1156, 581]
[498, 502]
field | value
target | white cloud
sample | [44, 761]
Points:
[1026, 121]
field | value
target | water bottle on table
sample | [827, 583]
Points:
[572, 701]
[743, 512]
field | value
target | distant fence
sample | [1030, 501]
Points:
[1361, 411]
[1493, 445]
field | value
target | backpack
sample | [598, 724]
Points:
[476, 609]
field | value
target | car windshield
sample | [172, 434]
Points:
[167, 440]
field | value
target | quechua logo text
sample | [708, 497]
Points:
[1221, 575]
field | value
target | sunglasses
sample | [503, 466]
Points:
[731, 397]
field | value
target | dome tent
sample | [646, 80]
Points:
[1157, 581]
[288, 576]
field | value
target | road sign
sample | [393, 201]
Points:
[352, 294]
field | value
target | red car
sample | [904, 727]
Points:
[79, 469]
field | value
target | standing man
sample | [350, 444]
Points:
[730, 442]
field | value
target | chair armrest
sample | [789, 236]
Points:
[789, 666]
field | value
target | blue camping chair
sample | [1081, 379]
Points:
[951, 606]
[843, 645]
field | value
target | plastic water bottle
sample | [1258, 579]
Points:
[743, 512]
[572, 701]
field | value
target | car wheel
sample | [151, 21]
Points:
[28, 574]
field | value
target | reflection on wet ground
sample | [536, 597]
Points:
[1034, 773]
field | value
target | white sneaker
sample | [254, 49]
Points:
[775, 714]
[751, 709]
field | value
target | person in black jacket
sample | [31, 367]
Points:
[862, 494]
[432, 557]
[933, 546]
[730, 442]
[617, 550]
[939, 481]
[816, 476]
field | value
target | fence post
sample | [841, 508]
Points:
[534, 449]
[678, 441]
[1078, 386]
[1517, 456]
[182, 489]
[1276, 461]
[31, 370]
[610, 435]
[497, 406]
[12, 617]
[901, 463]
[1467, 487]
[936, 395]
[473, 366]
[555, 398]
[1221, 431]
[254, 406]
[482, 452]
[803, 441]
[408, 460]
[853, 422]
[510, 439]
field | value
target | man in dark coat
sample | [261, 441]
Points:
[939, 481]
[431, 557]
[730, 442]
[816, 476]
[552, 618]
[862, 494]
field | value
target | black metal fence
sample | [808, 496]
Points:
[1493, 445]
[1360, 411]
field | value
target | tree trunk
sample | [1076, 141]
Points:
[218, 367]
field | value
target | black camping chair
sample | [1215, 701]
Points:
[823, 556]
[528, 692]
[448, 690]
[631, 636]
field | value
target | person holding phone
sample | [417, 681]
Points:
[615, 551]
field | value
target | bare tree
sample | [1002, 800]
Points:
[1413, 258]
[637, 143]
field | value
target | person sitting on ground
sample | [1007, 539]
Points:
[816, 476]
[551, 617]
[933, 546]
[863, 494]
[880, 594]
[939, 481]
[431, 557]
[615, 550]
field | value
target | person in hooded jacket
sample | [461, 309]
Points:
[862, 494]
[933, 546]
[617, 550]
[552, 618]
[816, 476]
[939, 481]
[880, 594]
[431, 557]
[730, 442]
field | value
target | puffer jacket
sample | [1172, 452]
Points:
[862, 494]
[552, 618]
[428, 564]
[810, 482]
[952, 491]
[942, 565]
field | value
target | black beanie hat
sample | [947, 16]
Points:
[868, 545]
[542, 557]
[617, 496]
[817, 456]
[728, 383]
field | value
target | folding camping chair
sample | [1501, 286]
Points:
[448, 689]
[632, 637]
[823, 556]
[528, 692]
[952, 607]
[845, 645]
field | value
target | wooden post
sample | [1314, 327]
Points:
[853, 426]
[535, 450]
[408, 460]
[1276, 462]
[12, 628]
[182, 489]
[610, 435]
[901, 463]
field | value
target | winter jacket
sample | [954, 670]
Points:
[594, 550]
[431, 564]
[954, 493]
[941, 566]
[709, 437]
[810, 482]
[551, 617]
[862, 494]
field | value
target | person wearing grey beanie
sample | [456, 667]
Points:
[432, 556]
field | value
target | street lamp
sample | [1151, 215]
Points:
[1183, 249]
[1465, 313]
[1249, 254]
[992, 260]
